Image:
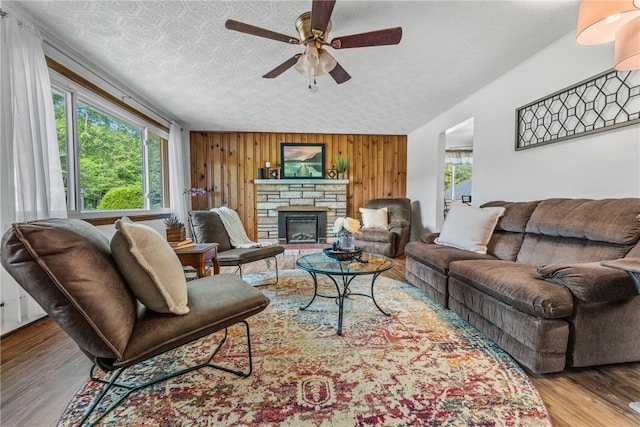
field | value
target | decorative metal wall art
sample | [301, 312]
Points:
[607, 101]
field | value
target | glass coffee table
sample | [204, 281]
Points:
[342, 274]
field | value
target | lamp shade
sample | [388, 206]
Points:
[627, 48]
[599, 20]
[327, 62]
[308, 60]
[310, 57]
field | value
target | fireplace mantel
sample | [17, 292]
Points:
[303, 209]
[300, 181]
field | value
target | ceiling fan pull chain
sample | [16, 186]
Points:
[313, 84]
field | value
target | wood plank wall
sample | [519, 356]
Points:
[226, 163]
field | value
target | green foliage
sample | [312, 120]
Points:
[463, 173]
[173, 222]
[110, 155]
[122, 198]
[341, 164]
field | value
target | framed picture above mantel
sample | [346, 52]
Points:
[298, 160]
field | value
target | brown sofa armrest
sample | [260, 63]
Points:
[429, 237]
[590, 281]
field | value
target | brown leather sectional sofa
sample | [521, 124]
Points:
[540, 291]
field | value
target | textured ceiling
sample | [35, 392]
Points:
[178, 55]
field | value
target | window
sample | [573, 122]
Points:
[458, 171]
[111, 159]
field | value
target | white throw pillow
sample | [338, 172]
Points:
[375, 218]
[150, 267]
[469, 228]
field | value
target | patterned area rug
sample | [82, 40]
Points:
[421, 366]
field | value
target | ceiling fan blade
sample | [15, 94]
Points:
[373, 38]
[321, 14]
[282, 67]
[260, 32]
[339, 74]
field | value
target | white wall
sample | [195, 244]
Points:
[603, 165]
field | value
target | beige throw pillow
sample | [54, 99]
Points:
[469, 228]
[150, 267]
[375, 218]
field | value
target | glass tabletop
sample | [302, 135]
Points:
[321, 263]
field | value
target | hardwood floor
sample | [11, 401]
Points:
[42, 368]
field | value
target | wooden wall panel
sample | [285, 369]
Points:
[226, 164]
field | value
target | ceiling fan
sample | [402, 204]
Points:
[313, 28]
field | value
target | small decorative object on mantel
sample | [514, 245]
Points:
[175, 229]
[273, 173]
[341, 165]
[332, 173]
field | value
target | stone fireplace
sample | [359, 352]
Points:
[305, 197]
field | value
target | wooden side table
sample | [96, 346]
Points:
[198, 255]
[631, 266]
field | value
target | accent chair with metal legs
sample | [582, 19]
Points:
[67, 266]
[207, 227]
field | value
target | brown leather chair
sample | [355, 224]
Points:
[207, 227]
[66, 265]
[389, 242]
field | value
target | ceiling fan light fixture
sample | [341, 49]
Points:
[311, 58]
[599, 20]
[327, 62]
[315, 59]
[627, 46]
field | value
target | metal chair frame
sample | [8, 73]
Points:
[131, 388]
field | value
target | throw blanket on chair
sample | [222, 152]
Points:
[237, 235]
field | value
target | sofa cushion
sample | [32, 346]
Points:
[150, 266]
[609, 220]
[536, 343]
[507, 238]
[215, 302]
[66, 265]
[518, 285]
[375, 218]
[505, 245]
[591, 282]
[439, 257]
[207, 227]
[376, 235]
[469, 228]
[539, 250]
[516, 215]
[239, 256]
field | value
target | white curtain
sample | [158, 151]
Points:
[177, 178]
[458, 157]
[31, 185]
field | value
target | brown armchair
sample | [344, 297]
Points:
[392, 240]
[67, 266]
